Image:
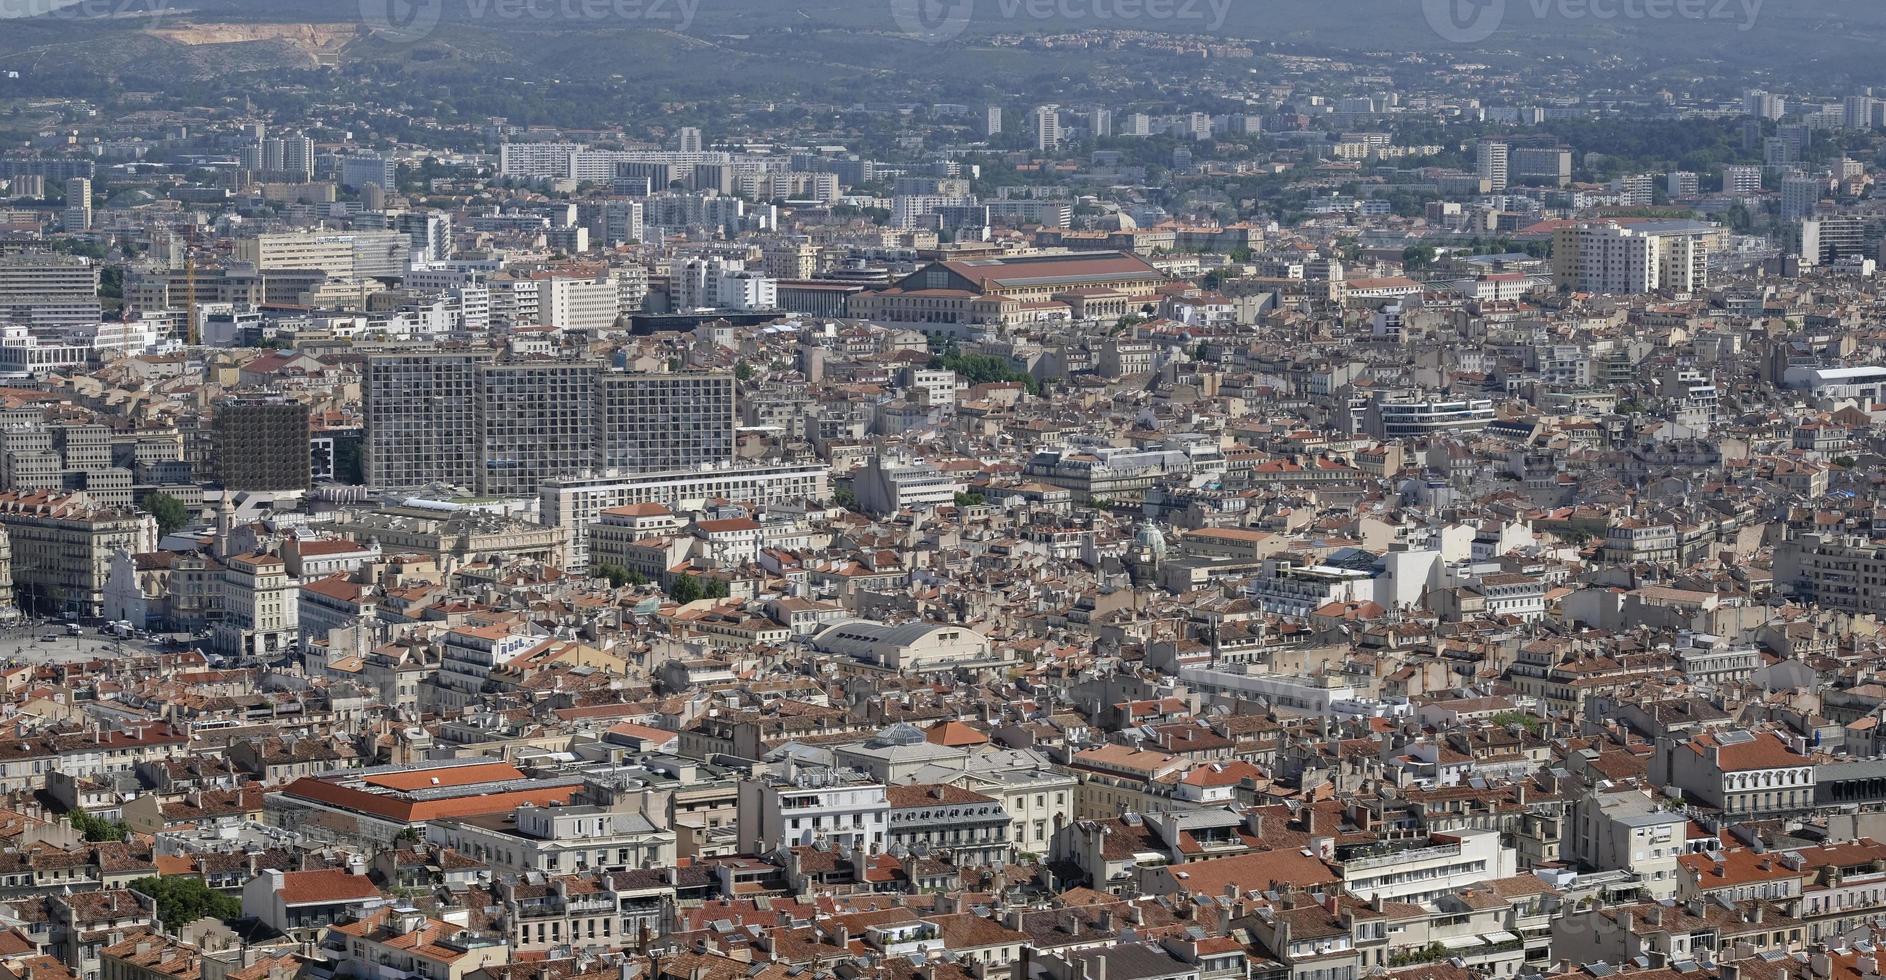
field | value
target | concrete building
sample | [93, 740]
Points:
[535, 423]
[421, 414]
[663, 422]
[1490, 163]
[262, 444]
[573, 503]
[49, 290]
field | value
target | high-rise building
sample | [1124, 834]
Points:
[298, 156]
[1826, 240]
[1607, 257]
[1047, 127]
[792, 260]
[534, 423]
[1764, 105]
[78, 204]
[262, 444]
[658, 422]
[1799, 196]
[688, 140]
[1636, 190]
[509, 428]
[1682, 184]
[578, 304]
[1100, 122]
[1552, 164]
[1490, 164]
[1857, 111]
[420, 412]
[1779, 151]
[429, 232]
[992, 121]
[46, 289]
[1741, 179]
[363, 170]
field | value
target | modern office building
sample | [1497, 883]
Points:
[364, 170]
[342, 255]
[534, 423]
[262, 444]
[48, 290]
[1550, 164]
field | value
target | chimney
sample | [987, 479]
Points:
[1096, 967]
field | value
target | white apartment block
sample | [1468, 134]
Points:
[575, 502]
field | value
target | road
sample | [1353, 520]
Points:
[25, 645]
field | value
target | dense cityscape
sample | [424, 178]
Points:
[1038, 490]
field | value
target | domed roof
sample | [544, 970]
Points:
[1117, 221]
[1148, 536]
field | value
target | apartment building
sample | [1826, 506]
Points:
[839, 807]
[421, 415]
[1443, 863]
[261, 606]
[1846, 572]
[510, 428]
[660, 422]
[62, 547]
[560, 840]
[534, 423]
[1638, 257]
[1745, 775]
[575, 502]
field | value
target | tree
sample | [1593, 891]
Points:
[1417, 256]
[844, 497]
[969, 499]
[743, 371]
[714, 589]
[97, 829]
[170, 512]
[182, 899]
[686, 589]
[616, 574]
